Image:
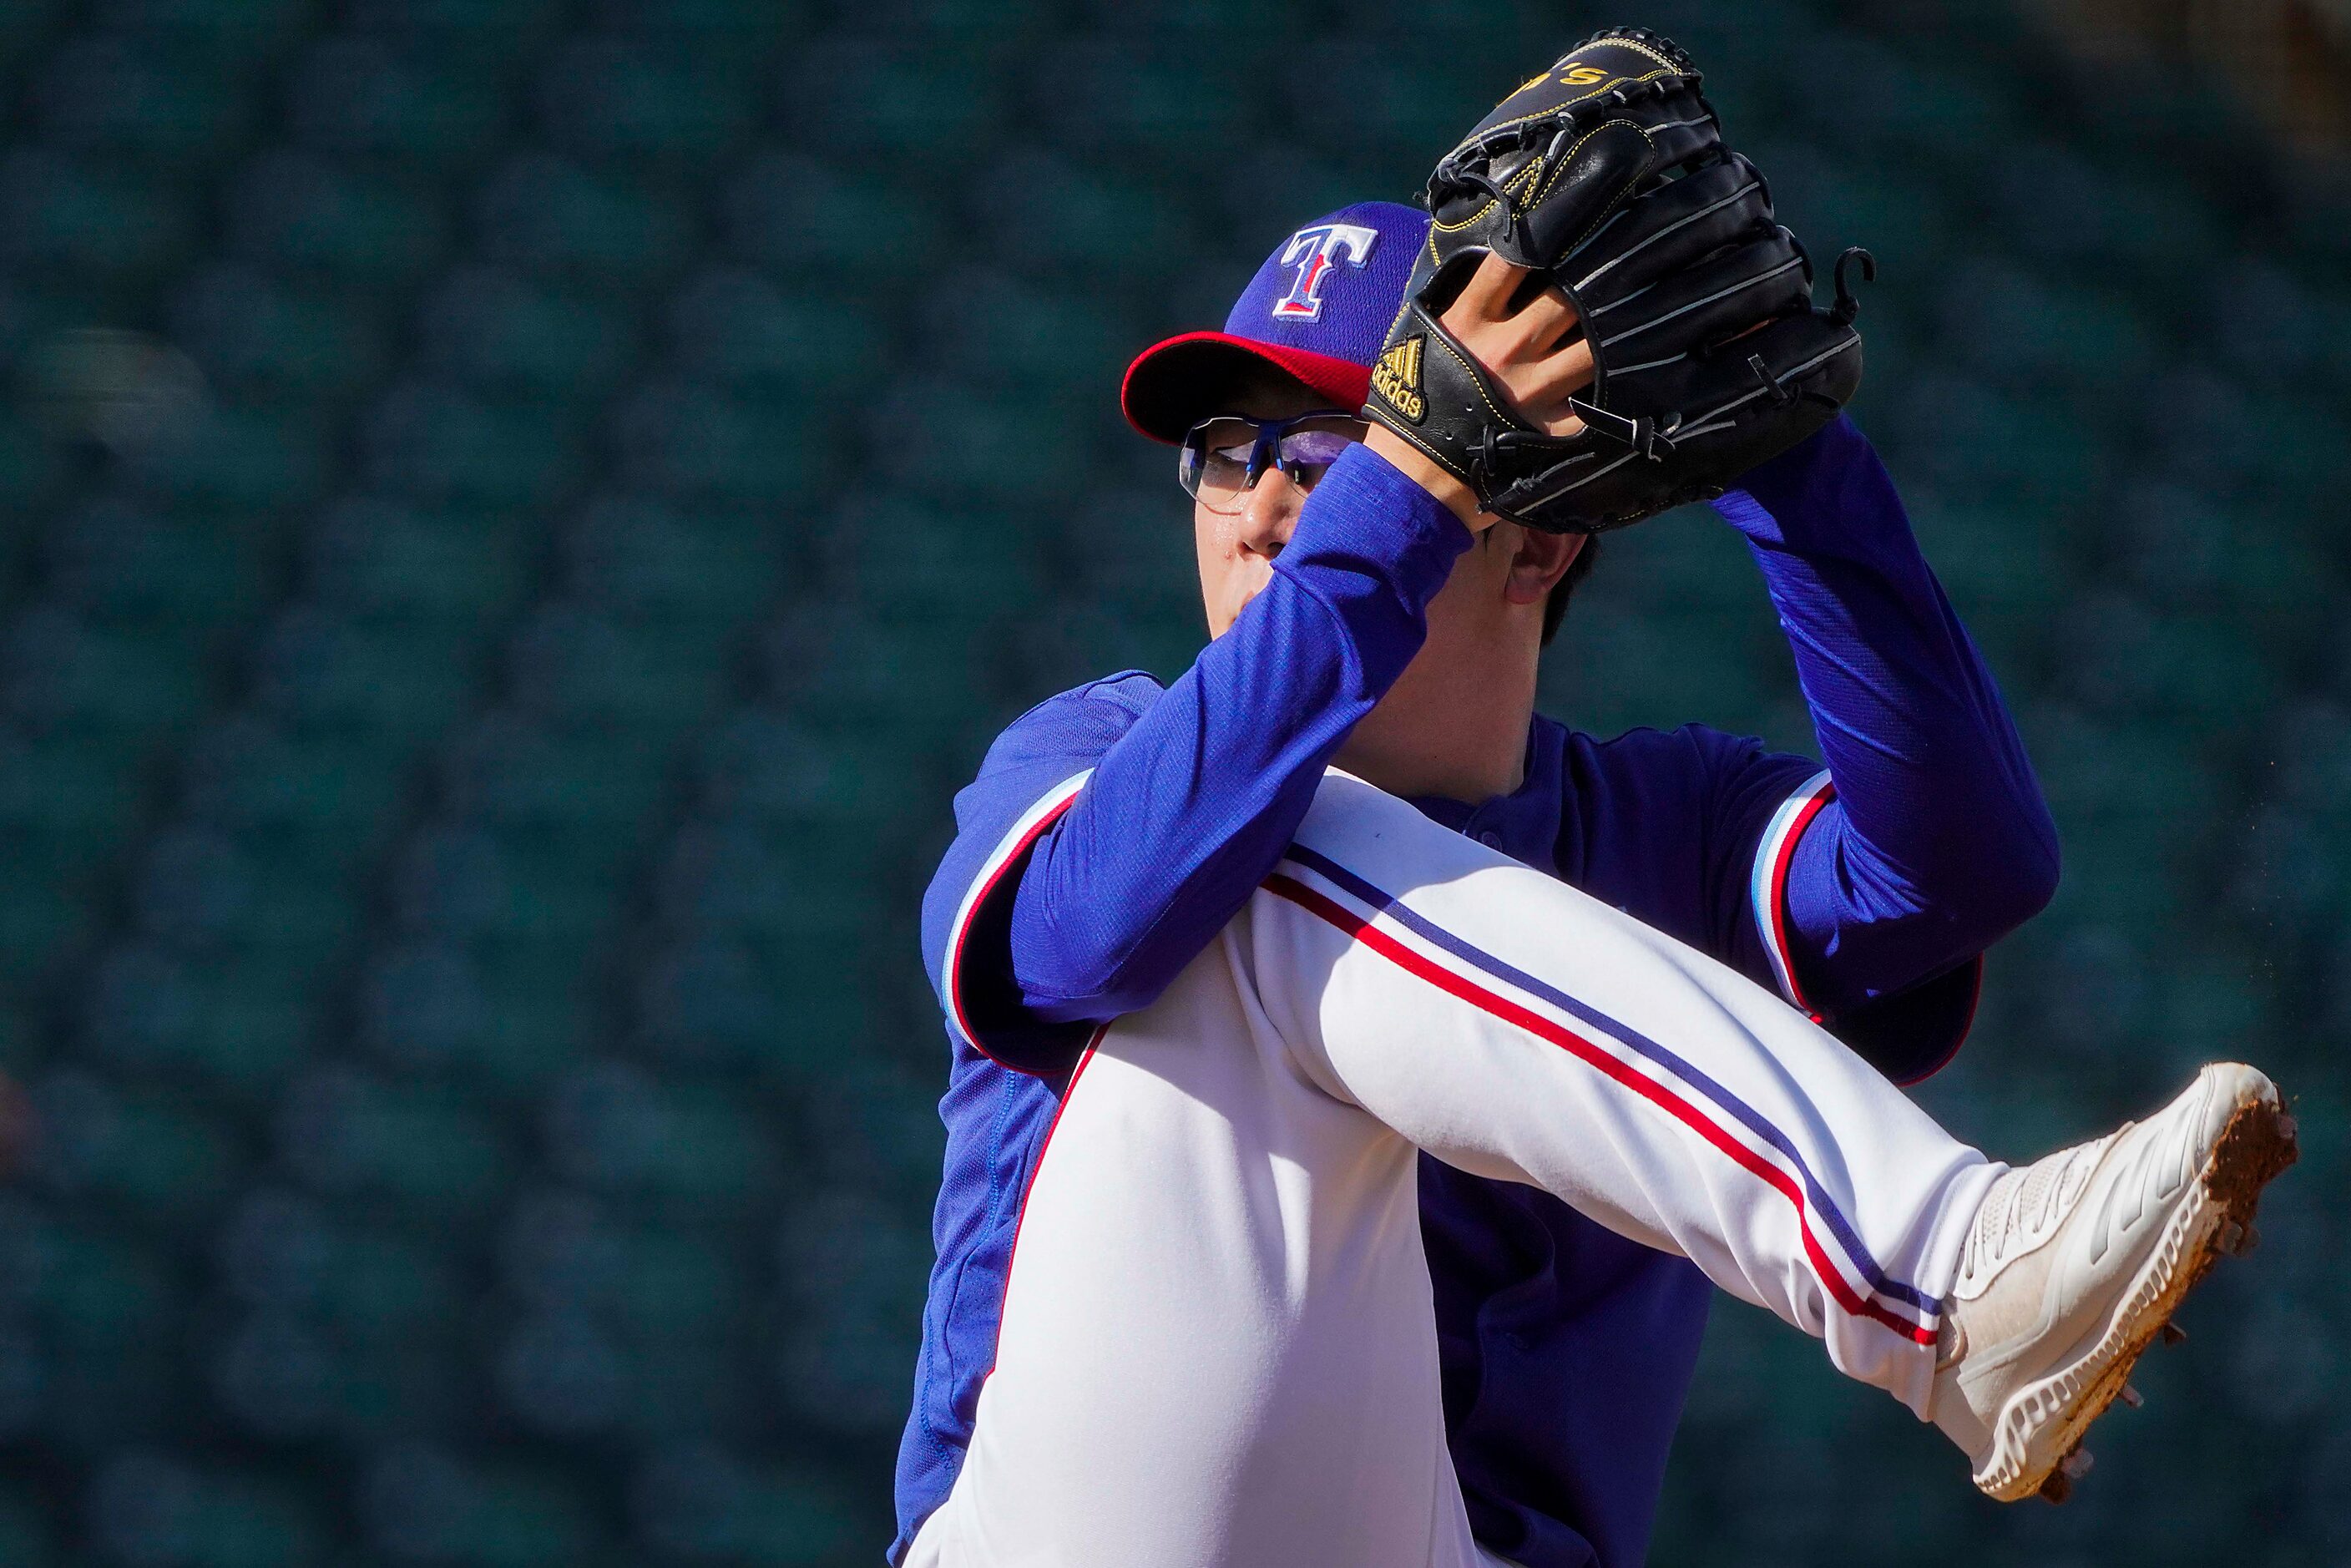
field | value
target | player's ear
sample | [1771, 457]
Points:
[1538, 563]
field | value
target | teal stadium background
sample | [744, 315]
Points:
[518, 515]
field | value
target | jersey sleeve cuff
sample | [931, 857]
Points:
[1768, 886]
[1910, 1035]
[975, 986]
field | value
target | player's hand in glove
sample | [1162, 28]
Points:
[1524, 334]
[1607, 174]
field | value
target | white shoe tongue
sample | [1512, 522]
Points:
[2026, 1206]
[2045, 1187]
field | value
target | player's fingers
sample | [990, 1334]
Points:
[1553, 418]
[1545, 384]
[1545, 317]
[1561, 421]
[1571, 364]
[1486, 296]
[1542, 402]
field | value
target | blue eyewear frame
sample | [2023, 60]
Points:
[1266, 451]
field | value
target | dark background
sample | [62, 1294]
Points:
[515, 517]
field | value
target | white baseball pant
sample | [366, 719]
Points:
[1217, 1345]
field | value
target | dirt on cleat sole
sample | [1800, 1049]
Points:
[2254, 1150]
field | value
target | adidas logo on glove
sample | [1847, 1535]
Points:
[1397, 377]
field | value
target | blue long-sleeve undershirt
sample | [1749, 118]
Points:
[1187, 812]
[1937, 843]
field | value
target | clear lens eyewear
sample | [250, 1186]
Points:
[1223, 457]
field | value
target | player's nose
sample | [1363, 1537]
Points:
[1270, 513]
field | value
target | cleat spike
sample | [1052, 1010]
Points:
[2174, 1334]
[2057, 1487]
[2231, 1240]
[2077, 1464]
[2132, 1396]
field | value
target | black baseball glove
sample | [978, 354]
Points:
[1607, 174]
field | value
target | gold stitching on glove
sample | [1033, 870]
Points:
[1610, 86]
[1477, 377]
[1535, 197]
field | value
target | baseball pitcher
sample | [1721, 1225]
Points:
[1360, 1082]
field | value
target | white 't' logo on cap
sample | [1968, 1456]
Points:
[1318, 248]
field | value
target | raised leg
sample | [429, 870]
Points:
[1514, 1027]
[1217, 1344]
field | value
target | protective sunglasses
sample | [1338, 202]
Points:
[1223, 457]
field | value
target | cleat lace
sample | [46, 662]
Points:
[2024, 1206]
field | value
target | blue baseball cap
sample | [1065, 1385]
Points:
[1319, 310]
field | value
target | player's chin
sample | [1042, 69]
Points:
[1225, 607]
[1222, 616]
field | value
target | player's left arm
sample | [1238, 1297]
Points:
[1929, 839]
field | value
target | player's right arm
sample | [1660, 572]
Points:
[1110, 833]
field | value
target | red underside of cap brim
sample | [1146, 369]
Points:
[1170, 386]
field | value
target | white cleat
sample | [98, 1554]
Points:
[2075, 1264]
